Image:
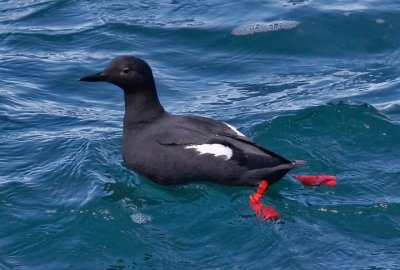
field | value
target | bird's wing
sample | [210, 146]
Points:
[196, 130]
[219, 141]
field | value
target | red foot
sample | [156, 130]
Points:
[316, 180]
[264, 212]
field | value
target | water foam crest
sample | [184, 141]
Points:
[259, 27]
[140, 218]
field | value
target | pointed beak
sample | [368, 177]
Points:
[98, 77]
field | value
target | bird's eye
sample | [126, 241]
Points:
[125, 70]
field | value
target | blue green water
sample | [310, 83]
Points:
[326, 91]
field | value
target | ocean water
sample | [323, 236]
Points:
[313, 80]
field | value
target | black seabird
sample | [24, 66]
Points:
[173, 149]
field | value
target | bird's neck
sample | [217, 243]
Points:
[141, 106]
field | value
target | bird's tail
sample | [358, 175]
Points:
[272, 174]
[299, 163]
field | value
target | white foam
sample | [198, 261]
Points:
[140, 218]
[215, 149]
[259, 27]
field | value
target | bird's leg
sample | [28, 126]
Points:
[262, 211]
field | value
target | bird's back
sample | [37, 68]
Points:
[178, 149]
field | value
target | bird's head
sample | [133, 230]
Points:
[128, 72]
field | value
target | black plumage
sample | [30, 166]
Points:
[164, 147]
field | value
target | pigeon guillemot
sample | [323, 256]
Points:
[174, 149]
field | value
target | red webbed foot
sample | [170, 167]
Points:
[316, 180]
[262, 211]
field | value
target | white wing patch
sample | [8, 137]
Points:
[235, 130]
[215, 149]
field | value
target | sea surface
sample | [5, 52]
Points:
[314, 80]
